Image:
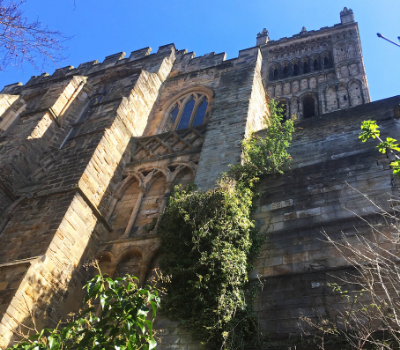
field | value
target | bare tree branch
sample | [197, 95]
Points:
[23, 40]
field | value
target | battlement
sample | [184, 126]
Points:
[346, 17]
[185, 62]
[91, 67]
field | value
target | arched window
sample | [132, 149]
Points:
[285, 71]
[275, 73]
[187, 113]
[295, 69]
[190, 110]
[326, 62]
[305, 67]
[76, 126]
[308, 107]
[316, 65]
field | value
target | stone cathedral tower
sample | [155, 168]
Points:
[318, 71]
[89, 155]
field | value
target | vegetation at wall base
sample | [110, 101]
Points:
[123, 319]
[210, 242]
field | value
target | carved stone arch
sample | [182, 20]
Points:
[107, 262]
[129, 261]
[122, 188]
[330, 98]
[343, 96]
[170, 103]
[358, 81]
[315, 62]
[127, 181]
[156, 171]
[305, 65]
[295, 63]
[130, 252]
[351, 48]
[306, 110]
[326, 59]
[147, 212]
[343, 70]
[178, 172]
[127, 196]
[275, 71]
[286, 69]
[356, 94]
[340, 51]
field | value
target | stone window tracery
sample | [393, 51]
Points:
[189, 110]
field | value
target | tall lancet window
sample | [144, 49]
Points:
[187, 113]
[172, 118]
[201, 112]
[190, 110]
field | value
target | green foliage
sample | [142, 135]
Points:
[371, 130]
[210, 241]
[388, 145]
[269, 154]
[124, 321]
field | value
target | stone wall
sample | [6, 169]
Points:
[319, 193]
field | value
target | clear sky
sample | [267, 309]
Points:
[101, 28]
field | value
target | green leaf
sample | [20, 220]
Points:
[152, 344]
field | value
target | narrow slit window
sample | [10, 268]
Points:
[316, 65]
[187, 113]
[201, 113]
[171, 119]
[305, 67]
[285, 71]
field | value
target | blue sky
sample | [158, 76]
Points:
[101, 28]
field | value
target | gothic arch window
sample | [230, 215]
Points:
[326, 62]
[295, 69]
[316, 65]
[93, 101]
[191, 109]
[276, 73]
[308, 107]
[286, 71]
[306, 68]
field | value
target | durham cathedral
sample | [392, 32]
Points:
[89, 156]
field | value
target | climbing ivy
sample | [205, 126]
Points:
[210, 241]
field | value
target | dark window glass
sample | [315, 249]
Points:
[308, 107]
[276, 73]
[171, 119]
[200, 114]
[271, 74]
[326, 62]
[295, 69]
[285, 71]
[187, 112]
[305, 67]
[316, 65]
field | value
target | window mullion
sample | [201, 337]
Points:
[199, 100]
[181, 108]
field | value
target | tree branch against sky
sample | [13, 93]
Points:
[25, 40]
